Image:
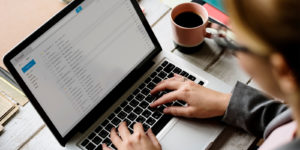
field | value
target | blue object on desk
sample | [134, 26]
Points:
[217, 4]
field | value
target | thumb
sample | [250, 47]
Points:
[104, 147]
[178, 111]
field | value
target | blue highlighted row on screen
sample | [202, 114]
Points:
[78, 9]
[28, 66]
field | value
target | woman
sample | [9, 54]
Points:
[270, 30]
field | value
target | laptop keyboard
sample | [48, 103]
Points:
[136, 108]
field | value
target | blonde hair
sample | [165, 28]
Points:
[274, 23]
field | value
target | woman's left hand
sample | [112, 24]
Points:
[139, 140]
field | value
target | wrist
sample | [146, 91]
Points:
[225, 99]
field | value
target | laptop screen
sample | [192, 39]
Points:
[78, 61]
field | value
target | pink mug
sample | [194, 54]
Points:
[189, 38]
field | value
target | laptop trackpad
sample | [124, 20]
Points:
[191, 135]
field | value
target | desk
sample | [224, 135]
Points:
[27, 131]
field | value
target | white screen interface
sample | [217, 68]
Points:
[78, 61]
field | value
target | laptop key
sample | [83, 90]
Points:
[156, 115]
[171, 75]
[169, 68]
[140, 97]
[134, 103]
[140, 119]
[146, 127]
[103, 133]
[150, 121]
[151, 109]
[191, 77]
[201, 83]
[146, 113]
[159, 69]
[132, 116]
[109, 127]
[98, 129]
[162, 74]
[104, 123]
[128, 109]
[144, 104]
[92, 135]
[145, 91]
[99, 147]
[148, 80]
[160, 124]
[185, 74]
[90, 146]
[85, 142]
[111, 116]
[150, 98]
[153, 74]
[112, 146]
[151, 85]
[128, 122]
[177, 70]
[136, 91]
[116, 121]
[124, 104]
[97, 140]
[138, 110]
[156, 80]
[118, 110]
[142, 86]
[165, 63]
[122, 115]
[107, 141]
[130, 97]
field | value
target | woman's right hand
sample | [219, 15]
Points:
[201, 102]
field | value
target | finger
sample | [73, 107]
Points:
[104, 147]
[123, 131]
[168, 84]
[178, 111]
[177, 75]
[115, 139]
[169, 97]
[138, 128]
[152, 137]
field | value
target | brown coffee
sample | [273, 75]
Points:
[188, 20]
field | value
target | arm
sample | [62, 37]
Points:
[250, 110]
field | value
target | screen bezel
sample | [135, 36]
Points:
[111, 98]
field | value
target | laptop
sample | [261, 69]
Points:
[92, 66]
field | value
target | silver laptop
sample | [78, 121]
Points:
[93, 65]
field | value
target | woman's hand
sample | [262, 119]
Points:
[202, 102]
[139, 140]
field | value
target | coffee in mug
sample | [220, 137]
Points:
[189, 21]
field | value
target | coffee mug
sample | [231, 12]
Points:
[189, 21]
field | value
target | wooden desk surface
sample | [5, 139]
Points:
[19, 18]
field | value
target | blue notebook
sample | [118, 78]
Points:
[217, 4]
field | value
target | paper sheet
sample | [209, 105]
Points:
[7, 109]
[12, 92]
[173, 3]
[5, 106]
[1, 128]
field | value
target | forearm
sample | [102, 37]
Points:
[251, 110]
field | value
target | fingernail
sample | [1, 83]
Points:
[166, 110]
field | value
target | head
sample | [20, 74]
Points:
[270, 29]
